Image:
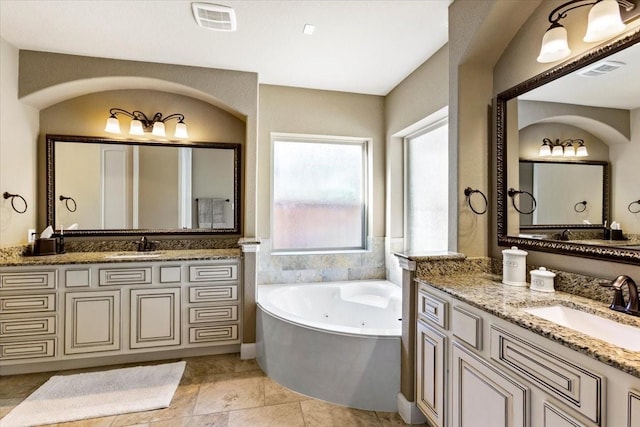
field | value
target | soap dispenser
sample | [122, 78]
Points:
[514, 267]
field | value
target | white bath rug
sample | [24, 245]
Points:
[98, 394]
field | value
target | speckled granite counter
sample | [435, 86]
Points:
[486, 292]
[120, 257]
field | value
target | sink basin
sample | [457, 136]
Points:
[134, 255]
[615, 333]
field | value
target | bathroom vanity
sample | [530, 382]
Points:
[482, 360]
[87, 309]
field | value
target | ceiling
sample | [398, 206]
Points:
[358, 46]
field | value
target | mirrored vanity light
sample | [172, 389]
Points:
[604, 21]
[140, 123]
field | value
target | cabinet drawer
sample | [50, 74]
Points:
[27, 349]
[467, 326]
[28, 303]
[223, 313]
[80, 278]
[213, 293]
[580, 389]
[28, 280]
[200, 334]
[125, 276]
[29, 326]
[213, 273]
[433, 308]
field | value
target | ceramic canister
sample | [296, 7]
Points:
[542, 280]
[514, 267]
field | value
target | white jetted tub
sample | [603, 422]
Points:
[336, 341]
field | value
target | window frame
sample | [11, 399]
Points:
[367, 189]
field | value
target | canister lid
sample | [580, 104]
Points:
[514, 251]
[542, 272]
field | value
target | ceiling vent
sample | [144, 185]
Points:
[214, 16]
[600, 68]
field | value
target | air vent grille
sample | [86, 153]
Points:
[600, 68]
[214, 16]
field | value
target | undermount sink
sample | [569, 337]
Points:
[615, 333]
[134, 255]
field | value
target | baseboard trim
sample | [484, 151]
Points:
[409, 412]
[248, 351]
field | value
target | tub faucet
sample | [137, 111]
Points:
[618, 304]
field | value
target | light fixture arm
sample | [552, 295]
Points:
[561, 11]
[147, 123]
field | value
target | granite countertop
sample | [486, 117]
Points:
[486, 292]
[108, 257]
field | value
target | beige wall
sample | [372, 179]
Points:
[319, 112]
[18, 134]
[625, 178]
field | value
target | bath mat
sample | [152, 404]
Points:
[98, 394]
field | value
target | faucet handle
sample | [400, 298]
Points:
[618, 303]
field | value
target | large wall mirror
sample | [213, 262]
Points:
[554, 203]
[98, 186]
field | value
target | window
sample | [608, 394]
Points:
[427, 188]
[319, 195]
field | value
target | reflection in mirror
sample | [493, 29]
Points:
[575, 101]
[567, 193]
[120, 187]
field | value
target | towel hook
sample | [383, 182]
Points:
[13, 197]
[66, 200]
[468, 192]
[576, 207]
[635, 202]
[513, 193]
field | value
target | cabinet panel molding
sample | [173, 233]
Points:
[155, 317]
[225, 293]
[31, 349]
[213, 273]
[92, 321]
[467, 326]
[484, 396]
[431, 373]
[14, 281]
[203, 334]
[633, 412]
[27, 326]
[80, 278]
[223, 313]
[572, 384]
[125, 276]
[433, 308]
[28, 303]
[555, 417]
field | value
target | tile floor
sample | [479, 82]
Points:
[217, 391]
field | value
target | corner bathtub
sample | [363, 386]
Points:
[335, 341]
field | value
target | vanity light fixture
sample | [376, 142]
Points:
[604, 21]
[140, 123]
[565, 148]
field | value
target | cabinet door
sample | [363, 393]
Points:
[155, 317]
[556, 417]
[484, 396]
[430, 385]
[633, 415]
[92, 321]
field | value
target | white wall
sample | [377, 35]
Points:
[18, 138]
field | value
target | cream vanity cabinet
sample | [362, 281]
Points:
[476, 370]
[64, 312]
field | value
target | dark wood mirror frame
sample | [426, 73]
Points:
[618, 254]
[50, 186]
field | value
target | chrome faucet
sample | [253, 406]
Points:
[633, 306]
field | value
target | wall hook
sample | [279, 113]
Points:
[576, 207]
[13, 197]
[513, 193]
[66, 200]
[635, 202]
[468, 192]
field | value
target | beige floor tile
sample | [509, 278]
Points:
[393, 419]
[182, 405]
[7, 405]
[13, 386]
[92, 422]
[285, 415]
[219, 419]
[275, 393]
[317, 413]
[229, 394]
